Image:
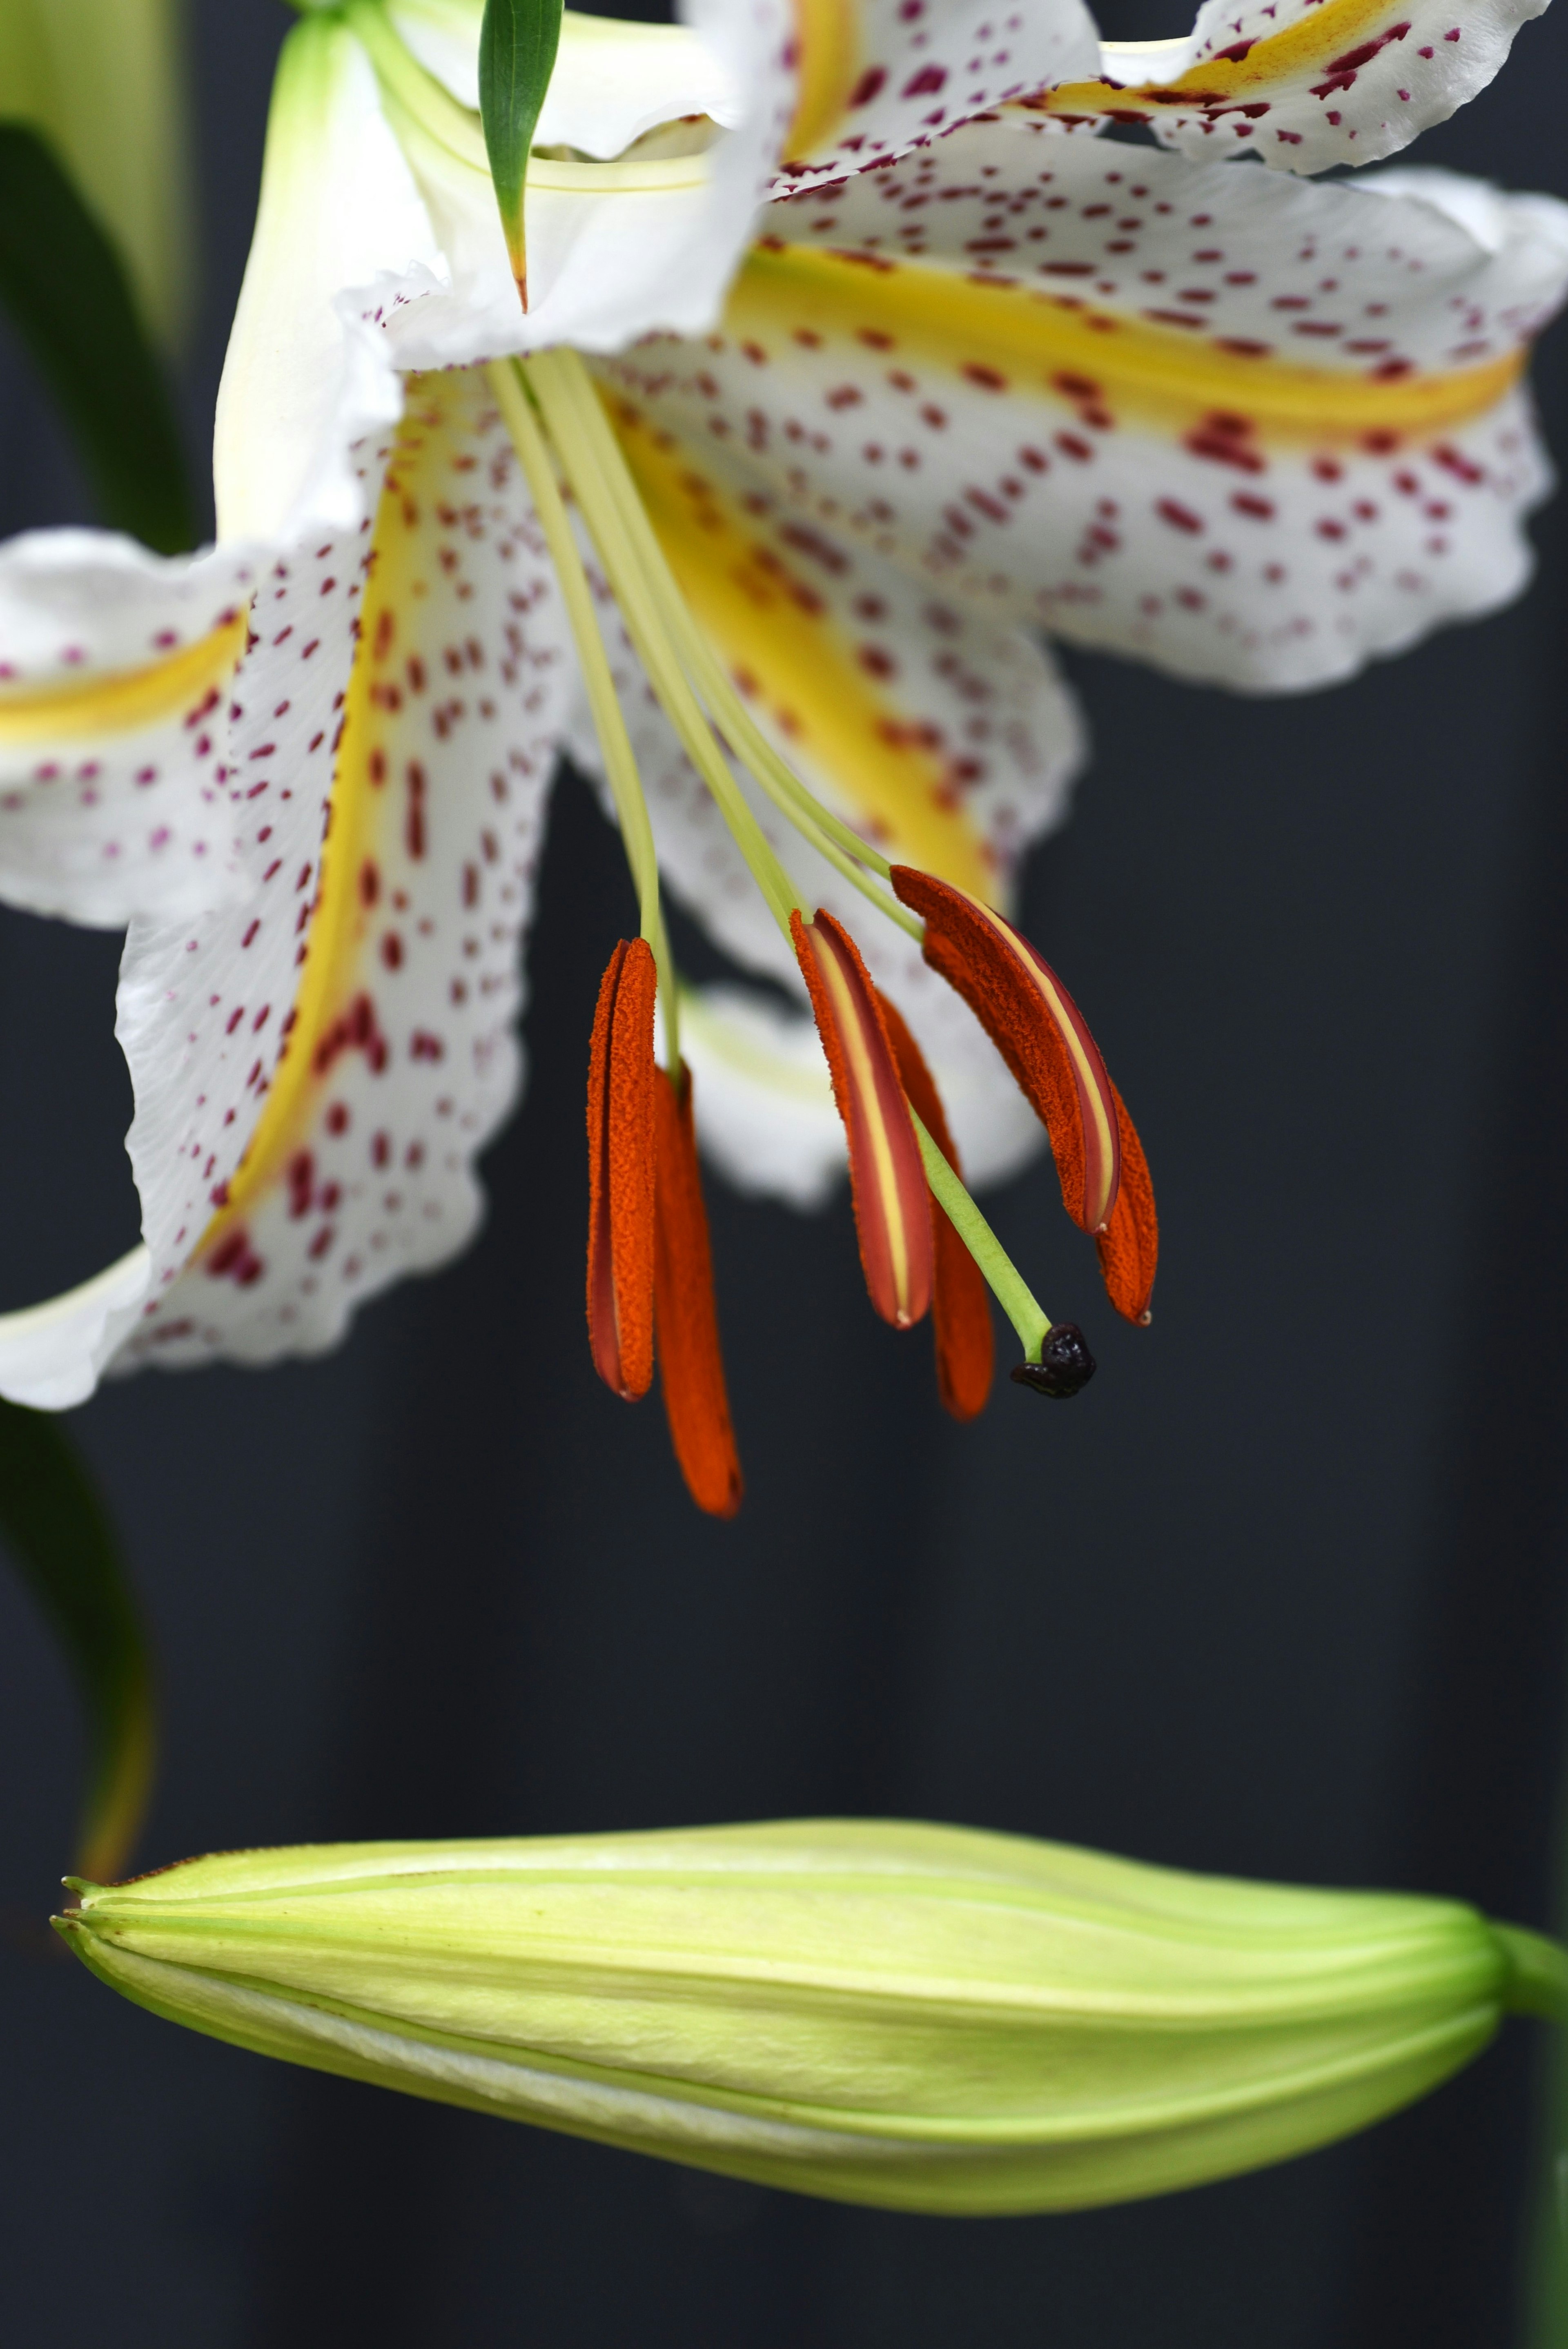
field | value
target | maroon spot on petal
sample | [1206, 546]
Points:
[1180, 517]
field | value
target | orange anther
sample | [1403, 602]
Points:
[962, 1309]
[887, 1177]
[1045, 1039]
[691, 1367]
[1129, 1245]
[621, 1192]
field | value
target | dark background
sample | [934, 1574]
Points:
[1281, 1594]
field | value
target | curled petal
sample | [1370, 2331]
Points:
[620, 1114]
[888, 1179]
[1037, 1028]
[691, 1366]
[1129, 1245]
[879, 77]
[114, 746]
[1254, 430]
[1305, 86]
[961, 1310]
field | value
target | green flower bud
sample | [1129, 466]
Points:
[923, 2017]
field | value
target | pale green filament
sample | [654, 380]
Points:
[832, 838]
[557, 380]
[620, 765]
[680, 665]
[1008, 1284]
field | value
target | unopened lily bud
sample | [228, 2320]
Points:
[922, 2017]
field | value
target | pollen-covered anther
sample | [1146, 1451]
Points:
[961, 1309]
[1043, 1037]
[887, 1177]
[691, 1367]
[621, 1077]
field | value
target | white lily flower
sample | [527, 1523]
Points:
[977, 375]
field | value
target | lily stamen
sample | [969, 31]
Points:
[568, 405]
[1045, 1039]
[598, 454]
[893, 1215]
[621, 1077]
[961, 1318]
[609, 723]
[691, 1366]
[886, 1178]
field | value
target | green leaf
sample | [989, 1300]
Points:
[66, 291]
[61, 1539]
[517, 41]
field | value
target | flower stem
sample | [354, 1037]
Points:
[620, 763]
[1008, 1284]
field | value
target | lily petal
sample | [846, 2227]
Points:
[880, 77]
[765, 1113]
[301, 381]
[1305, 86]
[1253, 430]
[314, 1073]
[113, 742]
[617, 249]
[51, 1355]
[613, 79]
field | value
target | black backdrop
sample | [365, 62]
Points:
[1281, 1594]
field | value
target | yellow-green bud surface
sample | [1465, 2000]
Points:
[918, 2016]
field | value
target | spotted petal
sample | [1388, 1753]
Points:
[315, 1074]
[114, 672]
[880, 77]
[1305, 84]
[1252, 430]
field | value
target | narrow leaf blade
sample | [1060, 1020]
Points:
[518, 41]
[62, 1542]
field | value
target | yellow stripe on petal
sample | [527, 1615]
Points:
[827, 39]
[1012, 338]
[780, 639]
[324, 1008]
[1313, 43]
[125, 700]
